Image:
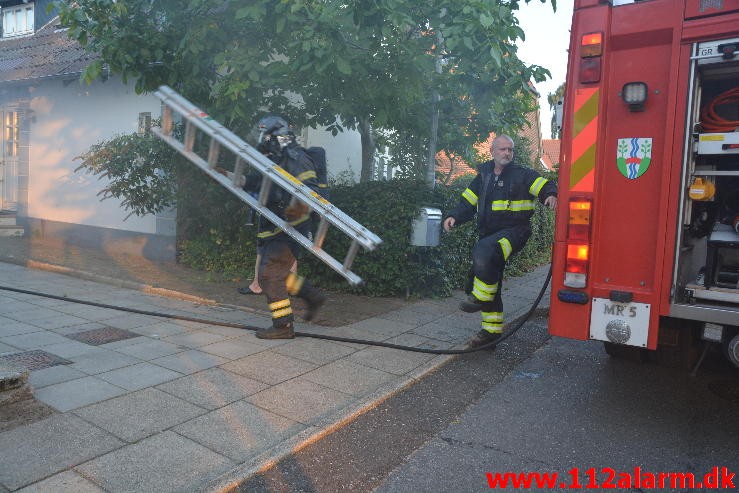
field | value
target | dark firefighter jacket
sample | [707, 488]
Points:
[298, 163]
[505, 202]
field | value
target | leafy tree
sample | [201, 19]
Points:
[553, 98]
[139, 170]
[372, 63]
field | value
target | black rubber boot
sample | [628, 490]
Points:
[279, 332]
[470, 305]
[314, 299]
[483, 337]
[315, 303]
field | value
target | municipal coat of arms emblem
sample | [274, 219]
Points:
[633, 156]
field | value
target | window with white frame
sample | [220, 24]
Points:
[11, 133]
[17, 20]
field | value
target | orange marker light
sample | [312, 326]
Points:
[591, 45]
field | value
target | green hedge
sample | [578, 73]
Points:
[213, 237]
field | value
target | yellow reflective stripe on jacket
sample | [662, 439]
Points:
[513, 205]
[537, 186]
[470, 196]
[505, 245]
[305, 175]
[521, 205]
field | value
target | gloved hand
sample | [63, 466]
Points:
[295, 210]
[230, 176]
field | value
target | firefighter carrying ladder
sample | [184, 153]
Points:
[272, 175]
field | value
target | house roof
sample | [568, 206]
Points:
[460, 168]
[550, 153]
[47, 53]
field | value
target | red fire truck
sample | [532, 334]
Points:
[647, 238]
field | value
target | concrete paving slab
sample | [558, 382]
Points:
[410, 316]
[301, 400]
[73, 394]
[11, 305]
[5, 348]
[32, 313]
[390, 360]
[212, 388]
[190, 361]
[73, 329]
[33, 340]
[315, 351]
[239, 430]
[444, 332]
[12, 327]
[194, 339]
[70, 349]
[163, 329]
[414, 340]
[149, 349]
[53, 375]
[131, 321]
[141, 414]
[232, 332]
[234, 348]
[124, 342]
[48, 447]
[64, 482]
[88, 312]
[383, 327]
[58, 321]
[102, 360]
[269, 367]
[139, 376]
[163, 463]
[349, 378]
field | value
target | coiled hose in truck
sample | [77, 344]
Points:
[713, 122]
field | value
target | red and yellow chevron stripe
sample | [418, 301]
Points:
[585, 132]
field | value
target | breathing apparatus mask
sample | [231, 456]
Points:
[274, 136]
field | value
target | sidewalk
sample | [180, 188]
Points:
[142, 403]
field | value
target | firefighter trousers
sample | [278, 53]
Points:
[278, 283]
[489, 257]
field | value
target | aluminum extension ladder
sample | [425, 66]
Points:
[272, 175]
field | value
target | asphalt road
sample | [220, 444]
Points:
[534, 405]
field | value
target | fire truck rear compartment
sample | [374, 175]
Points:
[707, 274]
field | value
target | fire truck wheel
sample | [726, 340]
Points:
[730, 346]
[628, 353]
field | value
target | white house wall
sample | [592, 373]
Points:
[66, 119]
[343, 152]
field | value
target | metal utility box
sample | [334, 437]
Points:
[426, 227]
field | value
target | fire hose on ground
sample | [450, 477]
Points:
[488, 346]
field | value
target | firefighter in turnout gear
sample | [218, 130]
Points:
[278, 250]
[503, 195]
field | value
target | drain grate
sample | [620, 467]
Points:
[34, 360]
[97, 337]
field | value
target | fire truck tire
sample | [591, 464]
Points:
[730, 346]
[628, 353]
